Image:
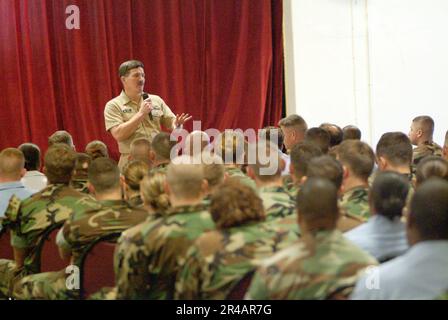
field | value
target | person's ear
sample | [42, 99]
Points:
[345, 172]
[282, 164]
[382, 163]
[166, 188]
[303, 180]
[22, 172]
[152, 155]
[226, 175]
[91, 188]
[250, 172]
[419, 133]
[123, 79]
[204, 186]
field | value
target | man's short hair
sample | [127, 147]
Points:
[134, 171]
[97, 149]
[273, 135]
[301, 155]
[267, 164]
[426, 124]
[431, 166]
[235, 204]
[357, 156]
[395, 147]
[326, 167]
[351, 132]
[61, 136]
[31, 152]
[82, 164]
[429, 209]
[320, 137]
[140, 149]
[162, 145]
[127, 66]
[230, 146]
[185, 177]
[104, 174]
[12, 162]
[214, 169]
[294, 121]
[389, 193]
[336, 134]
[59, 162]
[317, 199]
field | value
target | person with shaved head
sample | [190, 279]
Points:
[148, 258]
[421, 133]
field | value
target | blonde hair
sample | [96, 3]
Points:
[133, 172]
[152, 191]
[12, 162]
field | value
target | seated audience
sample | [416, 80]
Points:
[220, 258]
[336, 134]
[431, 166]
[384, 234]
[351, 132]
[79, 179]
[12, 169]
[293, 128]
[318, 137]
[133, 173]
[421, 273]
[357, 160]
[33, 178]
[147, 259]
[97, 149]
[48, 208]
[61, 136]
[322, 264]
[111, 216]
[422, 129]
[161, 149]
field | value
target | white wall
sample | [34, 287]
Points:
[373, 63]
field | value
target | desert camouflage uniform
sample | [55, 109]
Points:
[277, 202]
[113, 217]
[239, 174]
[146, 257]
[356, 202]
[220, 258]
[312, 268]
[424, 150]
[30, 219]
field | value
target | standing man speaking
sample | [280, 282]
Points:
[135, 114]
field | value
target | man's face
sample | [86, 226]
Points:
[134, 82]
[288, 137]
[414, 134]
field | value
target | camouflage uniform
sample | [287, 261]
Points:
[348, 221]
[239, 174]
[30, 219]
[136, 202]
[313, 268]
[277, 202]
[80, 184]
[220, 258]
[146, 257]
[163, 167]
[113, 216]
[424, 150]
[356, 202]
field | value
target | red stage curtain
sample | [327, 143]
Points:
[219, 60]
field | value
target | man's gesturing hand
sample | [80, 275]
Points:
[181, 119]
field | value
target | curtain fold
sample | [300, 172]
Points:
[221, 61]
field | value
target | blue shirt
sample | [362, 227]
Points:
[381, 237]
[419, 274]
[8, 189]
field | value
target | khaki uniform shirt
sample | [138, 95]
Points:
[122, 109]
